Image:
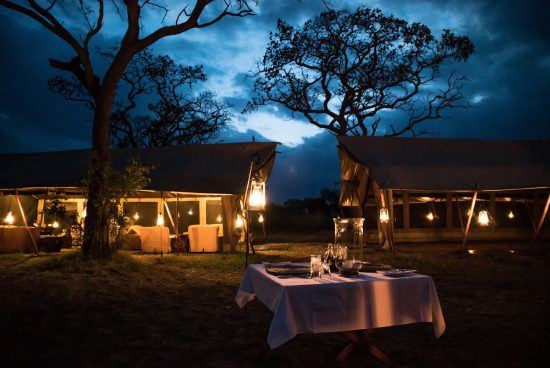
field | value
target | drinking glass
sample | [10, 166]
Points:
[315, 266]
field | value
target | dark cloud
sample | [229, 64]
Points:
[509, 77]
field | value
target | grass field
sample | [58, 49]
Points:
[143, 311]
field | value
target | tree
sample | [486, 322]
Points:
[201, 14]
[343, 70]
[174, 114]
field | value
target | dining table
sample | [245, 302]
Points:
[353, 306]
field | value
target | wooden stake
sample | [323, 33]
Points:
[468, 223]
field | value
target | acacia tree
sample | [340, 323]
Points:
[102, 88]
[174, 113]
[342, 69]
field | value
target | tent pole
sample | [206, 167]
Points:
[35, 246]
[542, 218]
[469, 222]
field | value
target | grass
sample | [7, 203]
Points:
[146, 311]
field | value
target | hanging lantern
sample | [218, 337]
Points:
[483, 218]
[261, 218]
[511, 215]
[239, 223]
[160, 220]
[84, 213]
[55, 224]
[219, 218]
[430, 216]
[136, 216]
[256, 199]
[9, 218]
[384, 215]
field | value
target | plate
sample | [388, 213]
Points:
[287, 270]
[396, 272]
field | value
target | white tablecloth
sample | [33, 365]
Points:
[335, 304]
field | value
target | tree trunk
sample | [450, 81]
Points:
[96, 233]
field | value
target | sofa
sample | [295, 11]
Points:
[203, 238]
[153, 239]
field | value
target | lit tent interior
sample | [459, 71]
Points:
[189, 185]
[418, 189]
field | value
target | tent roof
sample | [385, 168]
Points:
[451, 164]
[208, 168]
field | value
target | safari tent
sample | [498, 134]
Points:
[189, 185]
[417, 189]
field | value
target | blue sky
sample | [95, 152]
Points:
[509, 78]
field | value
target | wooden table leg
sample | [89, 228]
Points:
[360, 339]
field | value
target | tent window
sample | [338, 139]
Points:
[147, 212]
[9, 203]
[214, 212]
[188, 215]
[70, 207]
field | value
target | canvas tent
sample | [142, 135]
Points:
[386, 171]
[205, 177]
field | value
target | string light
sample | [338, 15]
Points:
[9, 218]
[160, 220]
[190, 212]
[483, 218]
[219, 218]
[261, 218]
[384, 215]
[239, 223]
[430, 216]
[511, 215]
[136, 216]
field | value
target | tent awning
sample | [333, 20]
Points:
[445, 164]
[208, 168]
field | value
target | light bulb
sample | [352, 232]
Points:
[55, 224]
[483, 218]
[9, 218]
[384, 215]
[239, 223]
[190, 212]
[160, 220]
[219, 218]
[260, 218]
[84, 213]
[511, 215]
[430, 216]
[136, 216]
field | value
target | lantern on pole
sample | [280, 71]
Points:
[9, 219]
[483, 218]
[384, 215]
[256, 199]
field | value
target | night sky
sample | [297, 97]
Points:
[508, 88]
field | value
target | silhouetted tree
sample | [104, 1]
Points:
[174, 113]
[78, 34]
[341, 69]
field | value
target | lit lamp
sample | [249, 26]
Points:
[511, 215]
[384, 215]
[84, 213]
[190, 212]
[9, 219]
[483, 218]
[136, 216]
[55, 224]
[160, 220]
[261, 218]
[430, 216]
[239, 223]
[219, 218]
[256, 199]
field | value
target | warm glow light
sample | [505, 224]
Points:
[219, 218]
[190, 212]
[55, 224]
[384, 215]
[239, 223]
[483, 218]
[260, 218]
[9, 218]
[471, 251]
[511, 215]
[136, 216]
[256, 200]
[160, 220]
[84, 213]
[430, 216]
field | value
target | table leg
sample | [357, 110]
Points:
[360, 339]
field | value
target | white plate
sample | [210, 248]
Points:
[397, 272]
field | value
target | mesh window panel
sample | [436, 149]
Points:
[214, 212]
[9, 203]
[188, 215]
[147, 213]
[69, 207]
